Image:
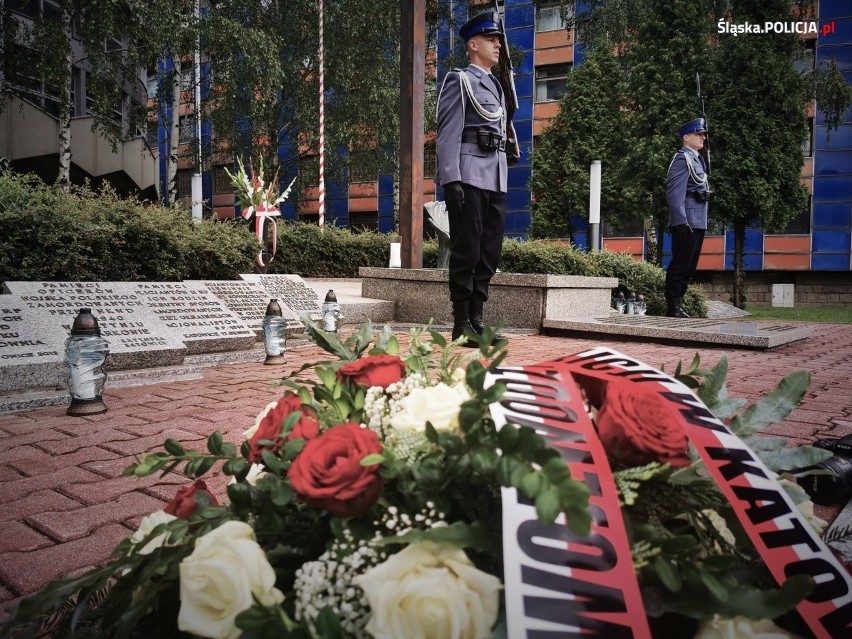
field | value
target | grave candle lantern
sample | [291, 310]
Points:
[640, 305]
[85, 354]
[274, 338]
[330, 312]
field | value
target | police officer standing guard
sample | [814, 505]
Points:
[688, 194]
[472, 168]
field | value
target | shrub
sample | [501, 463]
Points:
[88, 236]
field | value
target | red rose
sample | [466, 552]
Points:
[269, 424]
[183, 506]
[374, 370]
[638, 427]
[328, 472]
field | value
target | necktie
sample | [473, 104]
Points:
[496, 84]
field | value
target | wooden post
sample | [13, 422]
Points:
[412, 60]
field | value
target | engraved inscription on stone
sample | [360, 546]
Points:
[137, 339]
[29, 358]
[289, 289]
[248, 300]
[196, 316]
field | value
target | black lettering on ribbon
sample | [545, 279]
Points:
[798, 534]
[837, 622]
[588, 597]
[599, 553]
[695, 412]
[739, 462]
[764, 504]
[829, 583]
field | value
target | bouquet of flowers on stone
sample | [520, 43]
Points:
[253, 194]
[437, 493]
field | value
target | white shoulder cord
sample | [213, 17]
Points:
[690, 169]
[464, 81]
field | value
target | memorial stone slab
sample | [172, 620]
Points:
[248, 300]
[196, 316]
[30, 357]
[290, 291]
[736, 333]
[137, 338]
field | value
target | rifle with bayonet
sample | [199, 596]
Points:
[705, 150]
[506, 77]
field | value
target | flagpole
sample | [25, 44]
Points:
[321, 120]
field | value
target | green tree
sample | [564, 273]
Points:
[758, 130]
[587, 127]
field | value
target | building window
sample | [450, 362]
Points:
[550, 81]
[308, 171]
[548, 17]
[801, 224]
[362, 167]
[152, 134]
[631, 228]
[221, 181]
[808, 144]
[806, 61]
[184, 183]
[430, 162]
[363, 221]
[187, 129]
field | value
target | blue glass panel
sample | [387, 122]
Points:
[833, 163]
[524, 111]
[519, 177]
[842, 55]
[385, 184]
[753, 242]
[830, 241]
[847, 117]
[207, 185]
[832, 215]
[517, 223]
[518, 15]
[751, 261]
[526, 65]
[385, 223]
[579, 53]
[524, 129]
[830, 262]
[288, 210]
[834, 8]
[524, 160]
[825, 139]
[518, 201]
[832, 189]
[841, 34]
[386, 205]
[522, 38]
[524, 85]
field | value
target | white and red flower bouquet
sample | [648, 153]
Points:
[439, 495]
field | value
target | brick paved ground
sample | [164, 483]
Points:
[64, 506]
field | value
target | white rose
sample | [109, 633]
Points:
[219, 578]
[146, 527]
[720, 525]
[430, 591]
[255, 473]
[249, 433]
[438, 404]
[740, 628]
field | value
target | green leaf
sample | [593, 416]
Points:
[755, 603]
[547, 506]
[372, 460]
[438, 339]
[717, 589]
[508, 438]
[328, 624]
[459, 533]
[531, 484]
[668, 573]
[773, 407]
[792, 458]
[214, 443]
[239, 493]
[173, 447]
[484, 460]
[713, 383]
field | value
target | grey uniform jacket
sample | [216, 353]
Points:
[681, 187]
[464, 161]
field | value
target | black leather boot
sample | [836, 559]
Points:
[673, 308]
[477, 323]
[461, 322]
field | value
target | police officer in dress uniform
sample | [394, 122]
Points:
[471, 151]
[688, 195]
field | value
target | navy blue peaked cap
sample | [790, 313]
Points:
[487, 22]
[693, 126]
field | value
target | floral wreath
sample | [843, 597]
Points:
[366, 502]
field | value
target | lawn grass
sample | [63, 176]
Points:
[824, 315]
